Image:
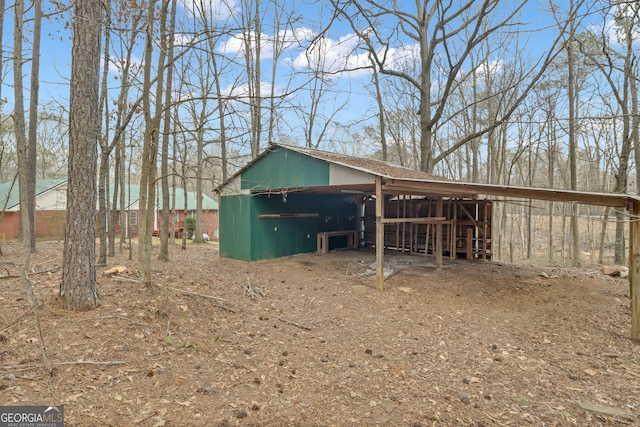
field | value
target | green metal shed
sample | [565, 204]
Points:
[277, 204]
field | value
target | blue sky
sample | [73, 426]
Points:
[338, 47]
[57, 44]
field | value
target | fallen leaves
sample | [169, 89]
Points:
[479, 344]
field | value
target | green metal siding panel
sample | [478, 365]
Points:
[245, 236]
[278, 237]
[284, 168]
[235, 227]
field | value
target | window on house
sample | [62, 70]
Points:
[133, 217]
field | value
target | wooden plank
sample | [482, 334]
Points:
[404, 224]
[426, 220]
[289, 215]
[338, 233]
[453, 188]
[379, 235]
[454, 229]
[439, 213]
[397, 227]
[484, 231]
[323, 239]
[634, 268]
[469, 243]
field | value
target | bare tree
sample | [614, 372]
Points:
[620, 70]
[33, 120]
[164, 158]
[105, 148]
[569, 46]
[152, 118]
[443, 32]
[19, 120]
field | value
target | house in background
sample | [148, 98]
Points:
[210, 220]
[51, 205]
[180, 211]
[51, 209]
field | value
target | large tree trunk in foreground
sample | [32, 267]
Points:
[78, 289]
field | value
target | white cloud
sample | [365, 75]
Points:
[183, 40]
[492, 67]
[403, 59]
[116, 66]
[242, 91]
[235, 45]
[332, 56]
[613, 30]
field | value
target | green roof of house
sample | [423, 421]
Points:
[207, 202]
[133, 194]
[10, 194]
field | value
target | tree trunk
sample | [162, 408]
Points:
[573, 156]
[103, 197]
[78, 287]
[164, 161]
[381, 115]
[105, 149]
[19, 122]
[151, 135]
[33, 121]
[186, 199]
[113, 216]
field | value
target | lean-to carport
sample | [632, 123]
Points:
[394, 187]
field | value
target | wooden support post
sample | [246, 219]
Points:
[379, 235]
[484, 230]
[427, 231]
[404, 225]
[634, 268]
[439, 213]
[397, 226]
[453, 214]
[469, 243]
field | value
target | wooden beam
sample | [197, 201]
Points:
[404, 228]
[439, 213]
[455, 188]
[634, 268]
[426, 220]
[289, 215]
[379, 235]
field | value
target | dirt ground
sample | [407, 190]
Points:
[308, 341]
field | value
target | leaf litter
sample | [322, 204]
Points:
[220, 342]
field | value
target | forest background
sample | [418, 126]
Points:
[182, 94]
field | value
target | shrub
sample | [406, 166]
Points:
[190, 225]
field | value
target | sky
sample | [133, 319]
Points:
[57, 44]
[338, 44]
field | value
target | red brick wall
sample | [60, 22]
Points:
[210, 221]
[49, 225]
[10, 225]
